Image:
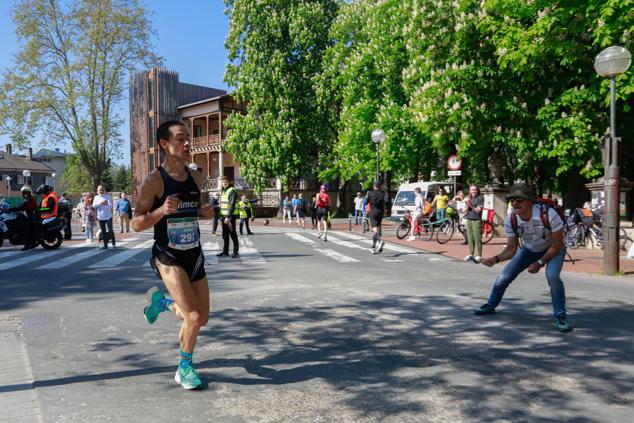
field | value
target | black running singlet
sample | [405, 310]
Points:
[179, 231]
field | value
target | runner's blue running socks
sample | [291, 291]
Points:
[164, 304]
[186, 359]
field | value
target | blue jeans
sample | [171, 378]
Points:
[357, 216]
[440, 214]
[518, 264]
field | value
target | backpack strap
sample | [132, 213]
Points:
[544, 214]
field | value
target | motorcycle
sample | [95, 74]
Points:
[12, 226]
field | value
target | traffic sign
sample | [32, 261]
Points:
[453, 163]
[454, 173]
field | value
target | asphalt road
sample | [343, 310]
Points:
[309, 331]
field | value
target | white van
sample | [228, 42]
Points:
[405, 196]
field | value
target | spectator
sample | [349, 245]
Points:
[286, 209]
[88, 218]
[103, 204]
[475, 203]
[440, 201]
[358, 208]
[124, 211]
[302, 209]
[460, 204]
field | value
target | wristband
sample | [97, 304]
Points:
[541, 263]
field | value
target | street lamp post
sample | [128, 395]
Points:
[54, 182]
[610, 63]
[9, 185]
[378, 136]
[27, 177]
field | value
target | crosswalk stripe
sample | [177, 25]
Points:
[210, 249]
[249, 254]
[388, 246]
[118, 258]
[325, 251]
[89, 252]
[32, 257]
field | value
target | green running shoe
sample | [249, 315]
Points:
[562, 324]
[188, 378]
[484, 309]
[151, 311]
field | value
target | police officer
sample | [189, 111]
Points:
[29, 229]
[229, 213]
[245, 208]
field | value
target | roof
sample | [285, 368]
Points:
[15, 162]
[206, 100]
[48, 153]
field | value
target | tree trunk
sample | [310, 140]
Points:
[341, 197]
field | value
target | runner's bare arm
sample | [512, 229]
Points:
[205, 211]
[151, 189]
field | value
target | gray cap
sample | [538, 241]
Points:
[521, 190]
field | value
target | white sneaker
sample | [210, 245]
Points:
[319, 235]
[468, 258]
[411, 238]
[477, 259]
[88, 241]
[372, 250]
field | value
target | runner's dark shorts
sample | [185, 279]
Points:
[322, 213]
[191, 261]
[301, 214]
[375, 219]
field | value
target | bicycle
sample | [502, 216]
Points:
[406, 225]
[581, 235]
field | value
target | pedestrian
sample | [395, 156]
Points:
[215, 204]
[475, 203]
[302, 209]
[358, 208]
[124, 211]
[286, 209]
[419, 203]
[460, 204]
[170, 197]
[440, 202]
[88, 218]
[294, 204]
[245, 208]
[376, 199]
[313, 211]
[79, 209]
[229, 214]
[323, 210]
[541, 230]
[103, 204]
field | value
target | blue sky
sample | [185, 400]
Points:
[190, 38]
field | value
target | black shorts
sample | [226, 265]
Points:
[301, 214]
[375, 219]
[322, 213]
[191, 261]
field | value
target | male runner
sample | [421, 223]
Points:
[376, 200]
[169, 200]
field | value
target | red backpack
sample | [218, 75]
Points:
[545, 204]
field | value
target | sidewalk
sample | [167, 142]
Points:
[585, 261]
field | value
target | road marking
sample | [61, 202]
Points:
[32, 257]
[249, 254]
[325, 251]
[213, 248]
[118, 258]
[388, 246]
[71, 259]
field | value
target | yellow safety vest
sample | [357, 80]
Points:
[224, 202]
[244, 206]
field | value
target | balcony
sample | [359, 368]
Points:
[206, 143]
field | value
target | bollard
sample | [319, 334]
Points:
[349, 223]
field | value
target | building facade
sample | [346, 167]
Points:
[157, 96]
[13, 175]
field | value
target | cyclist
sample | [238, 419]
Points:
[419, 203]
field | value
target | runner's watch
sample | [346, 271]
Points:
[541, 263]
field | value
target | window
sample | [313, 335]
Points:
[198, 131]
[150, 90]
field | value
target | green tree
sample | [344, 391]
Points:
[75, 179]
[275, 49]
[70, 73]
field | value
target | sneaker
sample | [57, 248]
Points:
[105, 247]
[372, 250]
[319, 235]
[468, 258]
[88, 241]
[381, 245]
[484, 309]
[562, 324]
[222, 255]
[188, 378]
[235, 255]
[477, 259]
[151, 311]
[325, 237]
[411, 238]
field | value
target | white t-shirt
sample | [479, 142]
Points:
[534, 235]
[103, 212]
[419, 202]
[358, 202]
